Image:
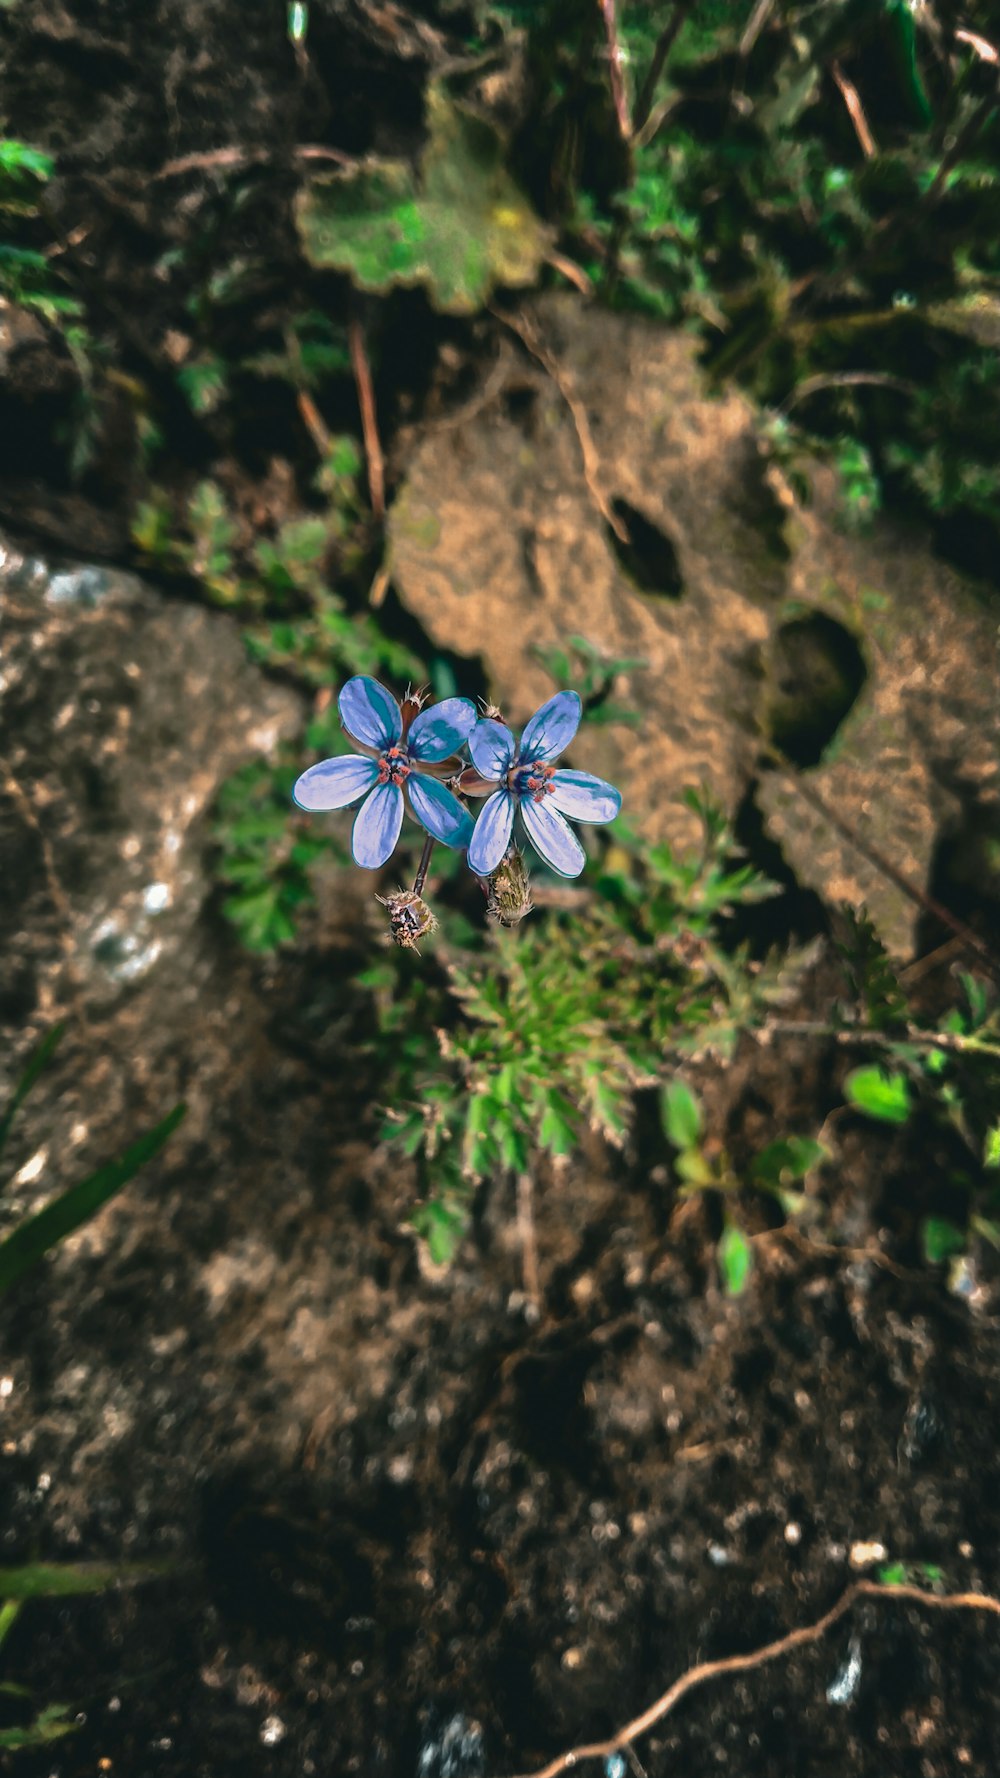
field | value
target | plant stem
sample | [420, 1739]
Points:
[846, 1036]
[425, 858]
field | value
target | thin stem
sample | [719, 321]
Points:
[425, 858]
[846, 1036]
[911, 890]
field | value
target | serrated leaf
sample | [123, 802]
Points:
[735, 1256]
[880, 1094]
[680, 1114]
[460, 228]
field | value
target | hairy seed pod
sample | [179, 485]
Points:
[508, 896]
[409, 918]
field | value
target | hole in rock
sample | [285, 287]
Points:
[649, 558]
[818, 670]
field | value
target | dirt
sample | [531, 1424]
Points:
[408, 1525]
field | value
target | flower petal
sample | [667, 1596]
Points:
[334, 783]
[442, 729]
[369, 713]
[584, 797]
[492, 747]
[376, 826]
[553, 838]
[552, 728]
[439, 811]
[492, 835]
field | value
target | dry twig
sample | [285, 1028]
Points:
[529, 336]
[369, 421]
[852, 99]
[771, 1651]
[616, 65]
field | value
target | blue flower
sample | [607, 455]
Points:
[527, 783]
[400, 745]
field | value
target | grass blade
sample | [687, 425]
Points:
[26, 1246]
[37, 1061]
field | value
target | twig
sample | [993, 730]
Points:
[852, 99]
[845, 379]
[803, 1637]
[615, 60]
[846, 1037]
[369, 421]
[529, 1246]
[220, 159]
[983, 48]
[573, 273]
[314, 423]
[829, 1250]
[755, 25]
[912, 891]
[528, 334]
[664, 44]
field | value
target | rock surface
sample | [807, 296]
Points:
[502, 541]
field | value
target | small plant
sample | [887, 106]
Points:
[704, 1166]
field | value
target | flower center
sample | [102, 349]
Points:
[532, 778]
[394, 765]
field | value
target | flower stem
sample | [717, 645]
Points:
[425, 858]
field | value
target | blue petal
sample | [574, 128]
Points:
[552, 728]
[369, 713]
[439, 811]
[441, 730]
[376, 826]
[492, 835]
[584, 797]
[492, 747]
[553, 838]
[335, 782]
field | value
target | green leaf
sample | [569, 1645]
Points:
[880, 1094]
[49, 1725]
[27, 1245]
[788, 1159]
[459, 229]
[735, 1256]
[680, 1114]
[442, 1227]
[67, 1580]
[941, 1239]
[37, 1062]
[991, 1146]
[557, 1131]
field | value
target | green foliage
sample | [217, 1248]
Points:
[856, 280]
[735, 1257]
[282, 582]
[459, 229]
[266, 853]
[522, 1043]
[880, 1094]
[38, 1234]
[584, 667]
[705, 1166]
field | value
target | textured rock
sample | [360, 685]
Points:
[121, 713]
[499, 545]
